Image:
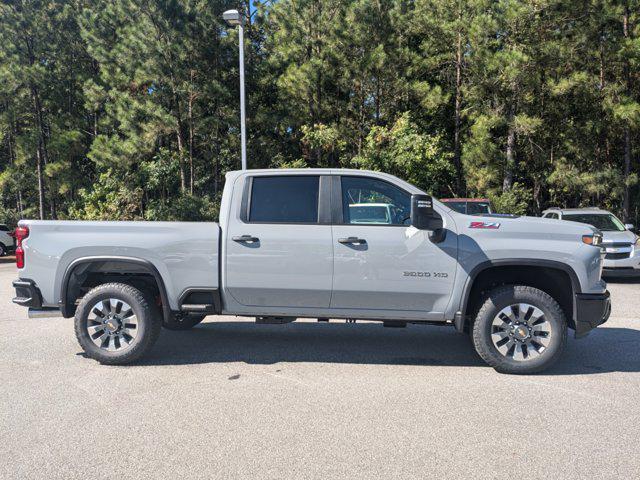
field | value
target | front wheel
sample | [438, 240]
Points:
[116, 324]
[519, 329]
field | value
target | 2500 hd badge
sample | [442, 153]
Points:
[426, 274]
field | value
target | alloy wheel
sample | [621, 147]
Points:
[521, 332]
[112, 325]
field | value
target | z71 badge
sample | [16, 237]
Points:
[487, 225]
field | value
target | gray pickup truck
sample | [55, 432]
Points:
[286, 247]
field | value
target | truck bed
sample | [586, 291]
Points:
[185, 254]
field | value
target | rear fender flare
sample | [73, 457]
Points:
[67, 309]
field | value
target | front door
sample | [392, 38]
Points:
[381, 263]
[280, 254]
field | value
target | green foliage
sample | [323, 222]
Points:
[516, 200]
[8, 216]
[186, 207]
[109, 199]
[404, 151]
[126, 109]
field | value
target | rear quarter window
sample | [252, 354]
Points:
[284, 199]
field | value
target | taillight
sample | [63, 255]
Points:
[21, 233]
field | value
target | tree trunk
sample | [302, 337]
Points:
[41, 150]
[20, 207]
[626, 210]
[41, 158]
[457, 150]
[510, 156]
[626, 207]
[537, 184]
[191, 134]
[183, 180]
[216, 177]
[40, 182]
[377, 100]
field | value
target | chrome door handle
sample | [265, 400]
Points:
[245, 239]
[352, 241]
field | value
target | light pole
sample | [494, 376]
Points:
[233, 18]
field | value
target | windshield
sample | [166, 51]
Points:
[470, 208]
[460, 207]
[476, 208]
[605, 222]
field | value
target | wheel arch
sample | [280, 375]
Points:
[126, 266]
[490, 273]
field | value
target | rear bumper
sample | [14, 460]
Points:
[27, 294]
[592, 309]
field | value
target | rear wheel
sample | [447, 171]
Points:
[519, 329]
[116, 324]
[3, 250]
[183, 322]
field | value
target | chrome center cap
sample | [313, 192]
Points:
[112, 324]
[520, 332]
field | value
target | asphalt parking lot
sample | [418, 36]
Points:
[231, 399]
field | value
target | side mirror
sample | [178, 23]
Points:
[628, 226]
[423, 216]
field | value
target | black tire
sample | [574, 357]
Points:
[3, 250]
[503, 297]
[149, 323]
[183, 322]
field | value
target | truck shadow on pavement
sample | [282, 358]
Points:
[605, 350]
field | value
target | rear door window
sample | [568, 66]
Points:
[284, 199]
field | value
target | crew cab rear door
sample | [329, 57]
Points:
[279, 253]
[381, 263]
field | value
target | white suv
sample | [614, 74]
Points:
[622, 246]
[6, 241]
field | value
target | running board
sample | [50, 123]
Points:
[44, 312]
[274, 320]
[197, 307]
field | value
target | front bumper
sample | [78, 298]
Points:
[621, 261]
[591, 310]
[613, 272]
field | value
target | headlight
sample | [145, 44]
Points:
[595, 239]
[638, 242]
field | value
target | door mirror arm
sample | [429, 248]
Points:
[438, 235]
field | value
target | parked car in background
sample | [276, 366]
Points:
[7, 244]
[622, 246]
[469, 206]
